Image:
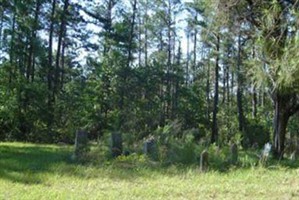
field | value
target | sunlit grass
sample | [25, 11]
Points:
[30, 171]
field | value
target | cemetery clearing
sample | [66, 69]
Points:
[31, 171]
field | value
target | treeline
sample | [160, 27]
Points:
[122, 66]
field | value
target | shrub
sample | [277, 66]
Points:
[256, 133]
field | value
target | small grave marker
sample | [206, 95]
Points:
[81, 144]
[116, 144]
[234, 154]
[204, 161]
[150, 148]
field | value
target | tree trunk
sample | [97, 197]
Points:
[11, 50]
[31, 59]
[63, 61]
[61, 35]
[131, 38]
[195, 47]
[169, 62]
[1, 26]
[254, 102]
[146, 36]
[239, 88]
[281, 118]
[108, 28]
[173, 41]
[227, 85]
[254, 92]
[286, 105]
[214, 136]
[208, 93]
[50, 49]
[224, 81]
[139, 39]
[188, 57]
[50, 69]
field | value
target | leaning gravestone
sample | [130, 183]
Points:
[234, 154]
[81, 144]
[116, 144]
[204, 161]
[150, 148]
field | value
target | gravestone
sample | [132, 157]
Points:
[204, 161]
[150, 148]
[265, 153]
[234, 154]
[295, 153]
[255, 145]
[293, 156]
[81, 144]
[116, 144]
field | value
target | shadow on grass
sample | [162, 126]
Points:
[34, 164]
[26, 163]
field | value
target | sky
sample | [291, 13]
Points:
[180, 23]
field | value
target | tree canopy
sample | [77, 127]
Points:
[221, 71]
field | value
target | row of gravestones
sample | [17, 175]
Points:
[149, 146]
[150, 149]
[81, 145]
[204, 158]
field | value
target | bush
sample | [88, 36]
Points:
[256, 133]
[180, 152]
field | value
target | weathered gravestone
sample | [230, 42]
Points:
[204, 161]
[265, 153]
[234, 154]
[255, 145]
[81, 144]
[150, 148]
[116, 144]
[293, 155]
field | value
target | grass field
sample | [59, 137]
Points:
[29, 171]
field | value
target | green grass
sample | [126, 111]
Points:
[29, 171]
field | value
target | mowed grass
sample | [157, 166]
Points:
[29, 171]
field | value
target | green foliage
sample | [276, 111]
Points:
[293, 127]
[136, 77]
[179, 152]
[228, 127]
[7, 120]
[167, 133]
[256, 134]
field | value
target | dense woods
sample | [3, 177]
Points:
[216, 71]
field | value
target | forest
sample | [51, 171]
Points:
[149, 99]
[209, 72]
